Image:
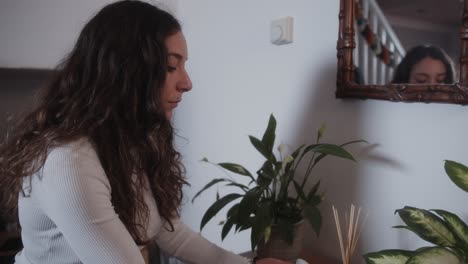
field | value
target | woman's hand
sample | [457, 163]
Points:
[271, 261]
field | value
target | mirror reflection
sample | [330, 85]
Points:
[407, 41]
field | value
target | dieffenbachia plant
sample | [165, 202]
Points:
[445, 230]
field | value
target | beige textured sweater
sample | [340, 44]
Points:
[68, 217]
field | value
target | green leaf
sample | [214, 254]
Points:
[268, 138]
[216, 207]
[427, 225]
[314, 200]
[236, 168]
[241, 227]
[299, 191]
[277, 168]
[313, 215]
[226, 228]
[456, 225]
[458, 173]
[260, 147]
[353, 142]
[284, 185]
[321, 156]
[311, 197]
[211, 183]
[241, 186]
[294, 155]
[389, 256]
[434, 255]
[330, 149]
[249, 203]
[265, 174]
[233, 212]
[262, 220]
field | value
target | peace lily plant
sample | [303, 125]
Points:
[267, 201]
[445, 230]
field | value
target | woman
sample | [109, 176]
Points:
[94, 164]
[425, 64]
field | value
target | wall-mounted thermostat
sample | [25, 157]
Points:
[281, 31]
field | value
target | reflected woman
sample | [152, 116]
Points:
[425, 64]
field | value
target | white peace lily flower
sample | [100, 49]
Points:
[281, 148]
[288, 159]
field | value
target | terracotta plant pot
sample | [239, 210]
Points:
[276, 247]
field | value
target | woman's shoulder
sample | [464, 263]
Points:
[71, 166]
[77, 151]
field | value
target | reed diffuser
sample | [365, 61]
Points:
[352, 230]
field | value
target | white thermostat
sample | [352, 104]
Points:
[281, 31]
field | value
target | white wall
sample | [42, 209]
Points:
[240, 78]
[39, 34]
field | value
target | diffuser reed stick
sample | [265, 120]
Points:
[352, 230]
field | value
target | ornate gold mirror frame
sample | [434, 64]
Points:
[456, 93]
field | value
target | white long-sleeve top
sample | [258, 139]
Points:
[68, 217]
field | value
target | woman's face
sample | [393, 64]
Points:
[428, 70]
[177, 79]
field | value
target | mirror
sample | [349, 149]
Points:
[375, 36]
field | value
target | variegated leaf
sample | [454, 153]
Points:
[458, 173]
[435, 255]
[457, 226]
[389, 256]
[427, 226]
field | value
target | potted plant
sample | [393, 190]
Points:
[445, 230]
[266, 204]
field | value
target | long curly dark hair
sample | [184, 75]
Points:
[108, 91]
